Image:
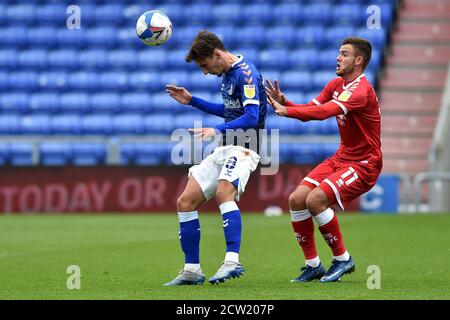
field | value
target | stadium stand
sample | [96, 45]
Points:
[59, 85]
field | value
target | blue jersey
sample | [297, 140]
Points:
[243, 91]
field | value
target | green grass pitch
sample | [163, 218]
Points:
[131, 256]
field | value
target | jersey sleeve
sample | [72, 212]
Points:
[248, 81]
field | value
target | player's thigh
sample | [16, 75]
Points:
[319, 173]
[347, 183]
[297, 199]
[226, 191]
[237, 168]
[192, 196]
[206, 174]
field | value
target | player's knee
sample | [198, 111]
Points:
[316, 202]
[224, 195]
[185, 204]
[297, 201]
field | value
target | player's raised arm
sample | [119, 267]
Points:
[180, 94]
[274, 91]
[183, 96]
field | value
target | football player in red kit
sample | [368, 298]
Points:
[350, 172]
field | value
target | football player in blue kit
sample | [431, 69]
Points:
[224, 173]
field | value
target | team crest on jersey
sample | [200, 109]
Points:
[345, 95]
[249, 91]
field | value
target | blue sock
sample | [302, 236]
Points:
[232, 225]
[190, 236]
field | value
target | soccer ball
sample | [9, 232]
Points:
[154, 28]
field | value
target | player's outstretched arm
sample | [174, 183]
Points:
[274, 91]
[277, 107]
[180, 94]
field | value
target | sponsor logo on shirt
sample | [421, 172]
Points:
[249, 91]
[344, 96]
[232, 104]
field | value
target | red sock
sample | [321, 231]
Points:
[331, 232]
[304, 232]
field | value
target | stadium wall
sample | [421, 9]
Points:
[129, 189]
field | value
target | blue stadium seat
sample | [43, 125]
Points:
[50, 14]
[351, 14]
[377, 37]
[68, 124]
[75, 102]
[41, 37]
[158, 124]
[24, 80]
[311, 36]
[63, 59]
[335, 35]
[281, 36]
[4, 81]
[289, 13]
[253, 37]
[227, 14]
[9, 124]
[12, 37]
[4, 154]
[330, 127]
[178, 78]
[329, 149]
[182, 37]
[102, 37]
[163, 103]
[375, 61]
[145, 81]
[125, 59]
[20, 14]
[296, 80]
[14, 102]
[147, 153]
[228, 35]
[284, 153]
[109, 14]
[106, 102]
[93, 59]
[33, 59]
[9, 58]
[175, 11]
[44, 102]
[128, 124]
[175, 60]
[317, 13]
[96, 124]
[127, 153]
[71, 38]
[274, 59]
[311, 127]
[117, 81]
[139, 102]
[304, 59]
[210, 121]
[88, 154]
[54, 80]
[21, 154]
[85, 81]
[201, 82]
[249, 54]
[258, 13]
[152, 59]
[198, 14]
[55, 154]
[305, 153]
[36, 124]
[321, 78]
[328, 59]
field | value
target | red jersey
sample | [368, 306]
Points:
[356, 108]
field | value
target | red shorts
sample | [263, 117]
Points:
[342, 181]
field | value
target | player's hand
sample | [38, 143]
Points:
[203, 133]
[275, 92]
[277, 107]
[179, 93]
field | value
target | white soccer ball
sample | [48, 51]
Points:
[154, 28]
